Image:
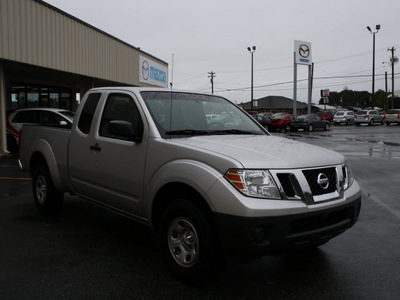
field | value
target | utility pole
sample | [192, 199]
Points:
[212, 75]
[386, 93]
[392, 61]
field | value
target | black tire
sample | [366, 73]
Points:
[371, 122]
[47, 199]
[288, 127]
[387, 123]
[193, 253]
[310, 127]
[348, 122]
[326, 127]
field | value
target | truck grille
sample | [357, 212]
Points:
[313, 179]
[312, 185]
[286, 184]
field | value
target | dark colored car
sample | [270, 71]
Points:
[264, 121]
[310, 123]
[282, 121]
[326, 115]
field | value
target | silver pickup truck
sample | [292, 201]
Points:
[198, 170]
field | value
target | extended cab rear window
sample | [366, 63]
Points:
[87, 113]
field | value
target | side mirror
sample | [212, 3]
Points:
[124, 130]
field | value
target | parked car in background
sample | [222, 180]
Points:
[325, 115]
[392, 116]
[264, 121]
[282, 121]
[346, 117]
[49, 116]
[310, 123]
[369, 117]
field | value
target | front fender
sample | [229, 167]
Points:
[195, 174]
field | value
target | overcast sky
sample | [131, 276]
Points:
[205, 36]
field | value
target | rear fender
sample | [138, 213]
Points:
[41, 148]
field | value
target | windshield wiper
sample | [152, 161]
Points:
[234, 131]
[188, 132]
[193, 132]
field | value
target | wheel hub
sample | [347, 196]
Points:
[183, 242]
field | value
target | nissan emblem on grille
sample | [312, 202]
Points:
[323, 181]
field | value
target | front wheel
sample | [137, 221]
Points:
[326, 128]
[288, 127]
[47, 199]
[191, 246]
[310, 127]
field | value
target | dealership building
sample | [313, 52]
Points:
[48, 57]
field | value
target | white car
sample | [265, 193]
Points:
[49, 116]
[369, 117]
[346, 117]
[392, 116]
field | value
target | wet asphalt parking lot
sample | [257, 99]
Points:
[89, 253]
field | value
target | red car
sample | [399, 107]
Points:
[282, 122]
[326, 115]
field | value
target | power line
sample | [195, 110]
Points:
[300, 80]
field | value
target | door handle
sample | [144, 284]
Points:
[95, 147]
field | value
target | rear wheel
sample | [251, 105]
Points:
[371, 122]
[288, 127]
[47, 199]
[192, 250]
[326, 127]
[310, 127]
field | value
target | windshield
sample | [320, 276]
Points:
[68, 114]
[194, 114]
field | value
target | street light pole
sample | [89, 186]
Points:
[373, 62]
[251, 50]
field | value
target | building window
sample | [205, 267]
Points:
[26, 96]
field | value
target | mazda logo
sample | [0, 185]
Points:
[145, 70]
[323, 181]
[304, 51]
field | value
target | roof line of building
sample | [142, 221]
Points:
[97, 29]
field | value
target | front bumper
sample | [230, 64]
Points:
[276, 234]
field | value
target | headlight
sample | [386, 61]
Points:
[348, 176]
[254, 183]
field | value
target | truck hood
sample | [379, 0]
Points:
[269, 152]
